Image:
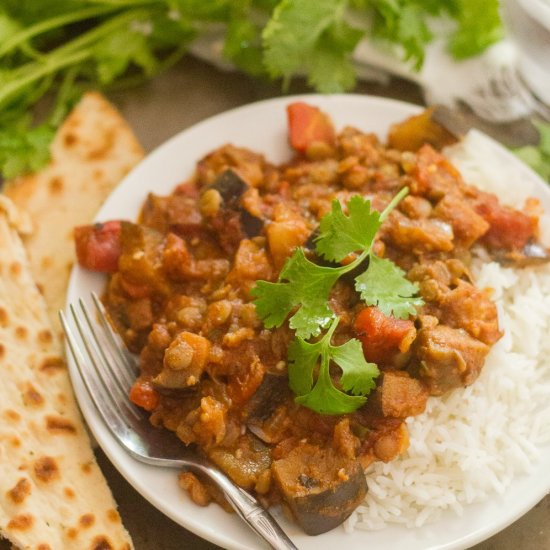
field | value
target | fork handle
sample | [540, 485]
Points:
[250, 510]
[259, 520]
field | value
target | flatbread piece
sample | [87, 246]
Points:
[52, 493]
[92, 151]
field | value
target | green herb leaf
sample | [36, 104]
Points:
[340, 235]
[479, 26]
[311, 36]
[303, 358]
[357, 374]
[302, 284]
[24, 149]
[538, 156]
[323, 396]
[243, 45]
[384, 285]
[117, 52]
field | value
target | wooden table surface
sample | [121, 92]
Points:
[188, 93]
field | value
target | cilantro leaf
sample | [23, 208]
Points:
[24, 149]
[301, 284]
[330, 71]
[341, 235]
[243, 44]
[323, 396]
[384, 285]
[479, 26]
[303, 358]
[116, 53]
[311, 36]
[357, 374]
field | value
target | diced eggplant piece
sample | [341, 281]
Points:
[228, 217]
[140, 263]
[272, 393]
[245, 463]
[321, 487]
[447, 358]
[230, 186]
[251, 225]
[400, 396]
[438, 126]
[154, 213]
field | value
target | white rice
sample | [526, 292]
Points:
[470, 444]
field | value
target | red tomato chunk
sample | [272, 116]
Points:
[307, 124]
[98, 246]
[509, 228]
[382, 336]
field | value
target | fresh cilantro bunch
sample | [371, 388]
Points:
[63, 47]
[302, 294]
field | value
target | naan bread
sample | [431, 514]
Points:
[92, 151]
[52, 493]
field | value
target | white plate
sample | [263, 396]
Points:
[262, 127]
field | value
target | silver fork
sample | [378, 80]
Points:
[506, 96]
[108, 370]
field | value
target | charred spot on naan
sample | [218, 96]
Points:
[45, 336]
[101, 543]
[11, 415]
[22, 522]
[59, 425]
[20, 491]
[86, 520]
[52, 364]
[4, 318]
[31, 396]
[46, 470]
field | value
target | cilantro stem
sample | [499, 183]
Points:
[71, 53]
[44, 69]
[101, 31]
[53, 23]
[331, 329]
[394, 202]
[351, 266]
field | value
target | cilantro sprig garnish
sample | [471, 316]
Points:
[301, 295]
[305, 285]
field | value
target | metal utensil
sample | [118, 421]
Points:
[108, 370]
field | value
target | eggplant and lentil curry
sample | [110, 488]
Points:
[290, 318]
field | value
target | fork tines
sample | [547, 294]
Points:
[105, 366]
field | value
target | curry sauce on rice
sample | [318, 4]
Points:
[289, 319]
